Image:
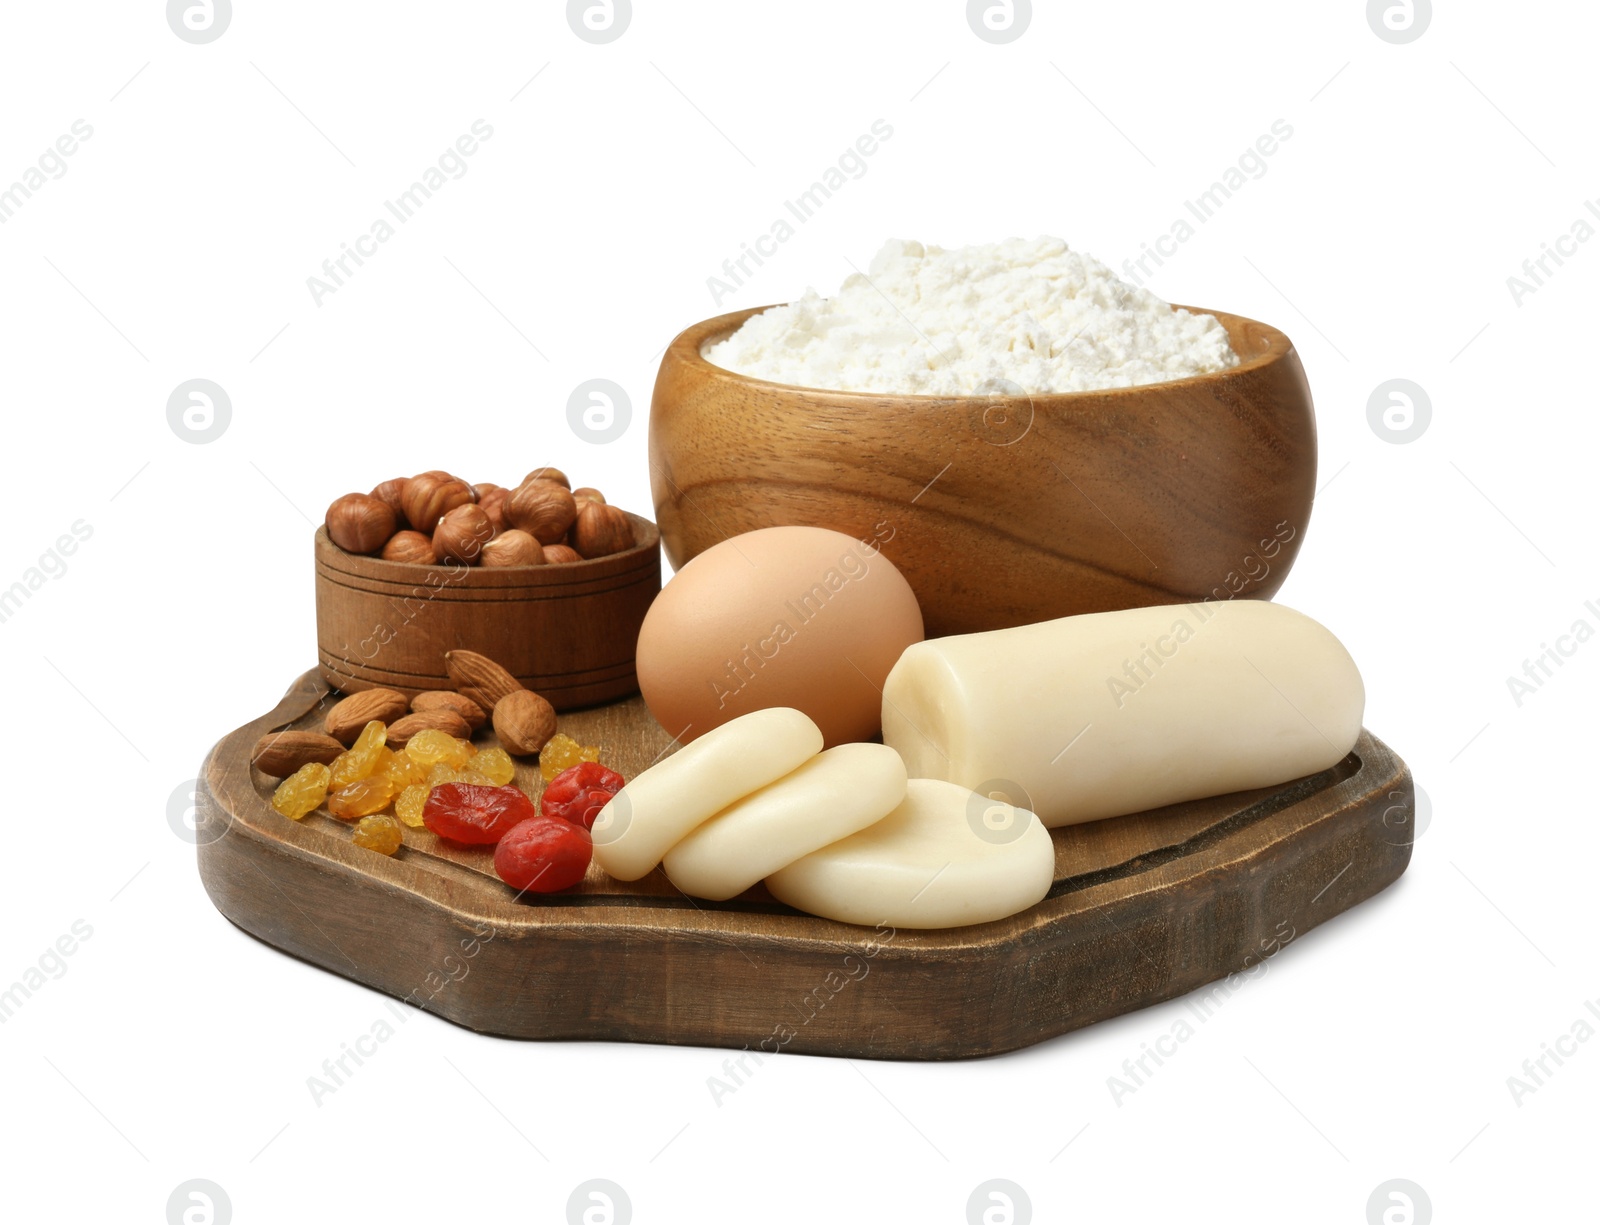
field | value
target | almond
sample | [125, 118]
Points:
[345, 721]
[280, 754]
[446, 721]
[479, 677]
[524, 722]
[445, 699]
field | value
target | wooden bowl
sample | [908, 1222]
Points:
[565, 631]
[1004, 510]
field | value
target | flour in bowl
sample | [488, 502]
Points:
[927, 321]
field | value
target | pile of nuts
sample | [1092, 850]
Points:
[378, 752]
[434, 518]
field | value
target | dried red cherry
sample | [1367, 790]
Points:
[578, 793]
[467, 812]
[543, 854]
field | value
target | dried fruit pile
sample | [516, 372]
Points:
[380, 752]
[434, 518]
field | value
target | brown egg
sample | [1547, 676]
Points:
[784, 616]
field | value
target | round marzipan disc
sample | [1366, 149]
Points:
[658, 808]
[946, 857]
[838, 792]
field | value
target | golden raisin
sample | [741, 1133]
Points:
[495, 765]
[302, 792]
[344, 770]
[381, 834]
[431, 746]
[441, 774]
[370, 743]
[401, 769]
[408, 806]
[361, 798]
[361, 758]
[563, 752]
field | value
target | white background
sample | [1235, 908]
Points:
[178, 244]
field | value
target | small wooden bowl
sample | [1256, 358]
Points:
[566, 631]
[1004, 510]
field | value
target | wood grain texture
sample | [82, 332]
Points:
[566, 631]
[1004, 511]
[1144, 908]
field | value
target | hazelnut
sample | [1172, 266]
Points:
[588, 493]
[543, 509]
[391, 492]
[483, 490]
[413, 548]
[523, 722]
[548, 474]
[461, 534]
[513, 548]
[429, 496]
[600, 530]
[494, 505]
[360, 523]
[557, 554]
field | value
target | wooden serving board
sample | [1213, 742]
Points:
[1144, 908]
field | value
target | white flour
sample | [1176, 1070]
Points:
[927, 321]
